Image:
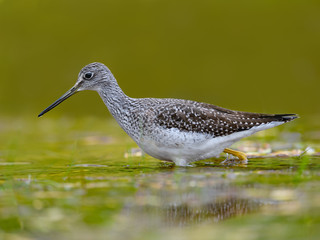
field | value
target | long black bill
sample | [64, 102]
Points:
[68, 94]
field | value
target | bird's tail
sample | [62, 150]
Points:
[280, 117]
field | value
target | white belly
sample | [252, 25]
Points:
[185, 147]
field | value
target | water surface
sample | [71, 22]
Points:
[79, 178]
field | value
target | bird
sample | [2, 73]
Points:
[176, 130]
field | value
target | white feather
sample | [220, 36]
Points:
[183, 147]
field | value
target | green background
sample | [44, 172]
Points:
[74, 174]
[259, 56]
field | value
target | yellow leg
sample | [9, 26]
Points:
[240, 155]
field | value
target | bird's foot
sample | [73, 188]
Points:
[242, 158]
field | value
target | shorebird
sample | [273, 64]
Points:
[177, 130]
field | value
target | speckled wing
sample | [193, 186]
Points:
[199, 117]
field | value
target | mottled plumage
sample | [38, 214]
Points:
[177, 130]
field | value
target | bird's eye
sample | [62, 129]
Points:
[88, 75]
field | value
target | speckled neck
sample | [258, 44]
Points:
[118, 103]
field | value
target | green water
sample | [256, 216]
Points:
[69, 178]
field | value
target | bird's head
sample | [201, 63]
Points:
[91, 77]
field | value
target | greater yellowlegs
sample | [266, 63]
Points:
[177, 130]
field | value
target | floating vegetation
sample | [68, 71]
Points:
[59, 174]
